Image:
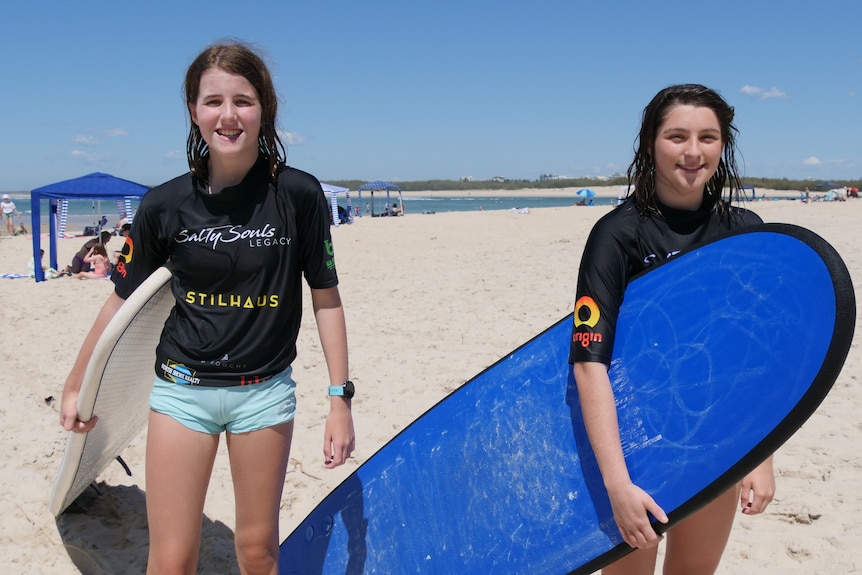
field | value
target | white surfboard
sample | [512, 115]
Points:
[116, 387]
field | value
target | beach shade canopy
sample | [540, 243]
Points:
[378, 186]
[96, 186]
[338, 217]
[585, 193]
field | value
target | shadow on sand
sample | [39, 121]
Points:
[105, 531]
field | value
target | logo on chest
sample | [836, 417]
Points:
[263, 237]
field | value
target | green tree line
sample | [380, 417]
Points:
[516, 184]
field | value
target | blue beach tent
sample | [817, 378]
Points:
[379, 186]
[95, 186]
[332, 192]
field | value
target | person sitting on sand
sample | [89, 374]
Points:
[31, 267]
[78, 264]
[124, 233]
[97, 257]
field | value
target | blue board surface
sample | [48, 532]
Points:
[721, 355]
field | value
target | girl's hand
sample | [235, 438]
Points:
[631, 506]
[757, 489]
[69, 414]
[339, 438]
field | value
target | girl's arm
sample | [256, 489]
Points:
[629, 502]
[339, 438]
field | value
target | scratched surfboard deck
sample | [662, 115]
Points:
[499, 477]
[116, 387]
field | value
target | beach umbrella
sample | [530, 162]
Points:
[585, 193]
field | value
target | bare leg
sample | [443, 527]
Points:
[258, 462]
[179, 465]
[695, 546]
[638, 562]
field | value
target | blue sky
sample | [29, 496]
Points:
[412, 90]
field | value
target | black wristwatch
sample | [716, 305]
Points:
[345, 390]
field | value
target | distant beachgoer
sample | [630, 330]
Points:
[97, 258]
[124, 233]
[78, 264]
[9, 212]
[121, 222]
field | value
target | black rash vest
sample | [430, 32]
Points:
[238, 258]
[623, 244]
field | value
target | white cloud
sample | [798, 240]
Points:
[761, 93]
[114, 132]
[86, 140]
[290, 138]
[774, 93]
[87, 157]
[175, 155]
[812, 161]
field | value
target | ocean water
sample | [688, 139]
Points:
[89, 213]
[439, 204]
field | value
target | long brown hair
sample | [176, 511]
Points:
[236, 58]
[641, 172]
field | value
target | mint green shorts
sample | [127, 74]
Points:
[237, 409]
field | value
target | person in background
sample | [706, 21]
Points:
[227, 368]
[79, 264]
[7, 206]
[124, 233]
[120, 223]
[684, 160]
[97, 259]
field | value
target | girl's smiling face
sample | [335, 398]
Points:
[228, 113]
[687, 151]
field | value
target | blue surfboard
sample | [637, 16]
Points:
[721, 355]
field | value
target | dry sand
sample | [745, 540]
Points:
[430, 301]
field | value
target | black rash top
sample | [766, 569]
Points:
[238, 258]
[623, 244]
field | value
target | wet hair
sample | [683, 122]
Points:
[641, 172]
[235, 58]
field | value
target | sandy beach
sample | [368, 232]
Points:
[430, 300]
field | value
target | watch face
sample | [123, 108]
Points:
[349, 390]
